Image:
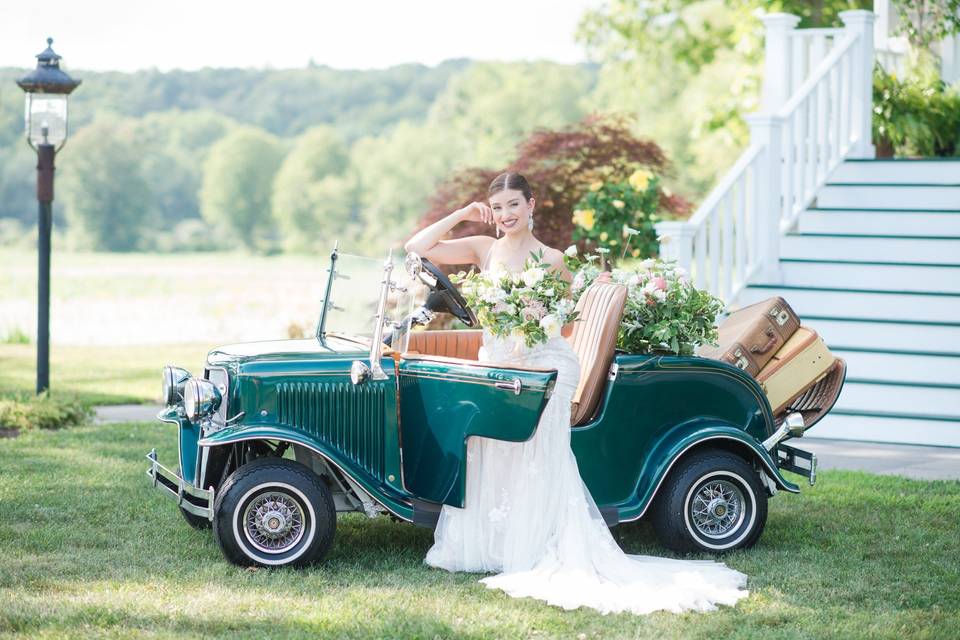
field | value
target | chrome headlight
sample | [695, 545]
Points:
[173, 381]
[200, 398]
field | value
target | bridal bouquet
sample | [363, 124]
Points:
[664, 313]
[533, 304]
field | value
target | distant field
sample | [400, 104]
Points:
[153, 299]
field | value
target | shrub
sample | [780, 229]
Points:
[16, 335]
[916, 116]
[43, 411]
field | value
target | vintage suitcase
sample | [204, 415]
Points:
[798, 365]
[749, 337]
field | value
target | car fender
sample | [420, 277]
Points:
[390, 499]
[676, 443]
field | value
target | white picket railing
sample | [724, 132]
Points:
[817, 99]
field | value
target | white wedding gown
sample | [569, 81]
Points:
[529, 518]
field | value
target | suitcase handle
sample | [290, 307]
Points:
[772, 341]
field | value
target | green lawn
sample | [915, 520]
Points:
[88, 549]
[98, 375]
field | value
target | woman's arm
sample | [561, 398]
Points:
[471, 249]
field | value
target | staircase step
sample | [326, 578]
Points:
[887, 336]
[882, 222]
[882, 428]
[928, 401]
[900, 367]
[854, 303]
[870, 275]
[887, 196]
[928, 250]
[899, 171]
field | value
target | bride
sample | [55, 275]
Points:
[528, 517]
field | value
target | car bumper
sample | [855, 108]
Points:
[199, 502]
[797, 461]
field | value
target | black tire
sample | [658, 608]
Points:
[690, 486]
[197, 522]
[279, 491]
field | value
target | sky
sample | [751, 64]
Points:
[127, 35]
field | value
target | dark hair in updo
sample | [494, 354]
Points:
[508, 180]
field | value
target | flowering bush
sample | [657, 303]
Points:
[533, 304]
[664, 311]
[610, 214]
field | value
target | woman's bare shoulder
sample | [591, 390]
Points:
[553, 257]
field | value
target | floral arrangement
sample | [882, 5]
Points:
[664, 312]
[533, 304]
[610, 214]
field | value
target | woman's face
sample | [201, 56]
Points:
[511, 211]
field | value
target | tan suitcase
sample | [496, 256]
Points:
[798, 365]
[749, 337]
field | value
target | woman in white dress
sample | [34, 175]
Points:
[528, 517]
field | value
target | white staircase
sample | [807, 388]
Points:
[874, 267]
[866, 251]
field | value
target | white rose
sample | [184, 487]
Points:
[550, 325]
[571, 251]
[548, 292]
[532, 276]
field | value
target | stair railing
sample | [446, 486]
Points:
[817, 103]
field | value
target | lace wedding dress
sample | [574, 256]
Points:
[529, 518]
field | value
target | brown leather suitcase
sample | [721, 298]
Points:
[800, 364]
[749, 337]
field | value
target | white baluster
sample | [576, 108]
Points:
[861, 23]
[765, 130]
[777, 67]
[676, 241]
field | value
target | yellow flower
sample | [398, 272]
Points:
[635, 253]
[603, 236]
[639, 179]
[613, 243]
[617, 204]
[595, 186]
[584, 218]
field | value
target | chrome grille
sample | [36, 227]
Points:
[347, 416]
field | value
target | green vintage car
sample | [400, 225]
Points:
[372, 414]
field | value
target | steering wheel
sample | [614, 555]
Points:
[444, 296]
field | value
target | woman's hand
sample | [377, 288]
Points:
[476, 212]
[604, 277]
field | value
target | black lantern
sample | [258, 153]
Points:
[45, 116]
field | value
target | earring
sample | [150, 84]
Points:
[498, 231]
[530, 222]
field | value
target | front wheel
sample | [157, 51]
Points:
[274, 512]
[712, 501]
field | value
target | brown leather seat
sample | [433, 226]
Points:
[594, 339]
[448, 343]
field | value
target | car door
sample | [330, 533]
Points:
[444, 401]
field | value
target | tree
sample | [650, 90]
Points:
[106, 198]
[237, 184]
[312, 193]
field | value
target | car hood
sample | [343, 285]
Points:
[306, 348]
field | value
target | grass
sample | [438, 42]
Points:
[98, 374]
[88, 549]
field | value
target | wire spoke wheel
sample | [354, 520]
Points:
[273, 522]
[717, 508]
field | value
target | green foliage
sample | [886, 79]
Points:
[486, 108]
[313, 194]
[237, 184]
[16, 335]
[44, 411]
[916, 116]
[925, 22]
[620, 216]
[107, 198]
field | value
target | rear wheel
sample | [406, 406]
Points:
[274, 512]
[712, 501]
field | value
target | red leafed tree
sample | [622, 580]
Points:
[559, 165]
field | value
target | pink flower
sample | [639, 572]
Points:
[660, 283]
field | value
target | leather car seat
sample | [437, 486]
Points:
[449, 343]
[594, 339]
